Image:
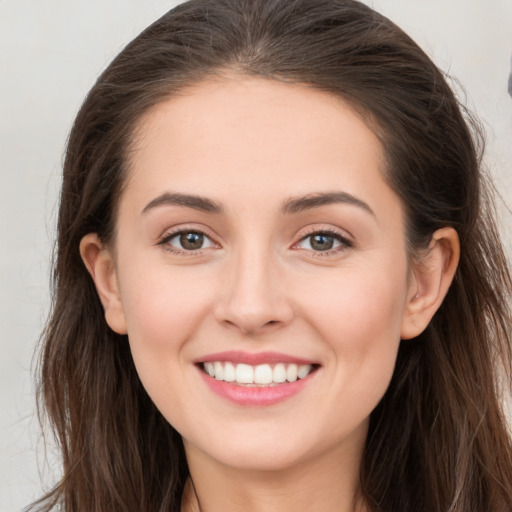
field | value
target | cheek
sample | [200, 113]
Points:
[162, 307]
[360, 325]
[358, 301]
[359, 316]
[162, 313]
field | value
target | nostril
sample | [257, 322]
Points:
[252, 316]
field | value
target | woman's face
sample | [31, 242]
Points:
[258, 242]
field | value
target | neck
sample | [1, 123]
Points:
[328, 483]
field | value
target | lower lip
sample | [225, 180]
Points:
[255, 396]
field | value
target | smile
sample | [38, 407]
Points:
[256, 379]
[262, 375]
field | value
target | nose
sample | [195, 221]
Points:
[252, 297]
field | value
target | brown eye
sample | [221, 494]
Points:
[324, 242]
[188, 241]
[191, 241]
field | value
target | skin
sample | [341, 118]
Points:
[250, 145]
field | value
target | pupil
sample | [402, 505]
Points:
[322, 242]
[191, 241]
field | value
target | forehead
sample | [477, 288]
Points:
[253, 136]
[242, 100]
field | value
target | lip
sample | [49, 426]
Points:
[249, 396]
[252, 358]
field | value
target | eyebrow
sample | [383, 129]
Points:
[187, 200]
[292, 205]
[299, 204]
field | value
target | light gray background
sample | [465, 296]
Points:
[50, 53]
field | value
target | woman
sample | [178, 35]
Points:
[278, 282]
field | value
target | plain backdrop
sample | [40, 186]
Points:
[51, 51]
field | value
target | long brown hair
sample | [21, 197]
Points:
[438, 440]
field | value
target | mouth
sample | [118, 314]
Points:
[257, 376]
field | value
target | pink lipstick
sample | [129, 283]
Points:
[255, 379]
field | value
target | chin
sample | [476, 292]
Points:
[261, 460]
[245, 452]
[268, 448]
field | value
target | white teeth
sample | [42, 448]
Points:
[291, 373]
[260, 375]
[304, 370]
[209, 369]
[263, 374]
[229, 372]
[279, 373]
[244, 374]
[219, 370]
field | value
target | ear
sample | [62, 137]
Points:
[431, 278]
[100, 264]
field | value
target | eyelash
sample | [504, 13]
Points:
[344, 242]
[165, 241]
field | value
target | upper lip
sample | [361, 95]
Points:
[252, 358]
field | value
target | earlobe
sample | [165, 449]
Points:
[430, 281]
[100, 265]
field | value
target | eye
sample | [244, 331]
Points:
[324, 241]
[188, 241]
